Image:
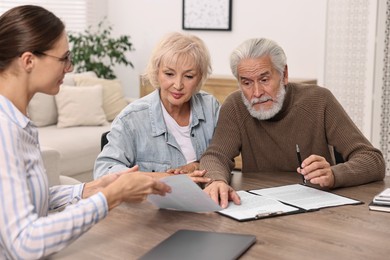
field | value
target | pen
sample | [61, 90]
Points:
[268, 214]
[300, 161]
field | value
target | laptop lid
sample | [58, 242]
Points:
[193, 244]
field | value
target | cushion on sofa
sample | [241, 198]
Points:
[80, 106]
[69, 77]
[79, 146]
[113, 97]
[42, 110]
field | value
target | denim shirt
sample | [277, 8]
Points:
[139, 136]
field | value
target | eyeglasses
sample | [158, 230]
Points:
[67, 59]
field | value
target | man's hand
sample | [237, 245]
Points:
[317, 170]
[222, 193]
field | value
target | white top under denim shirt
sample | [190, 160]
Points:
[27, 229]
[139, 136]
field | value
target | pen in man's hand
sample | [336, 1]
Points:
[300, 161]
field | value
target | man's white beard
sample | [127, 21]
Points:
[264, 114]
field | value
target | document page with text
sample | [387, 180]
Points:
[253, 207]
[305, 197]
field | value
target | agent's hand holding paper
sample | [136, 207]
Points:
[185, 196]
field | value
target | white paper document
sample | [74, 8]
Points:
[282, 200]
[305, 197]
[254, 206]
[186, 195]
[383, 198]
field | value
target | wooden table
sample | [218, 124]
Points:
[346, 232]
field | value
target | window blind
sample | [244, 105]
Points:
[76, 14]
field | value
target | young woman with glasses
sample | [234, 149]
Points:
[34, 57]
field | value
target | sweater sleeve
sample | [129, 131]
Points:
[363, 162]
[218, 159]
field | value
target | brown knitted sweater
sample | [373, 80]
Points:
[312, 118]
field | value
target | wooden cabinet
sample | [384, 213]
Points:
[221, 87]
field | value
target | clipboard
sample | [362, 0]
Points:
[255, 207]
[283, 200]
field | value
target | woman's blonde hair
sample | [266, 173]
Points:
[176, 46]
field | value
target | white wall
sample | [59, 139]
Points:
[298, 26]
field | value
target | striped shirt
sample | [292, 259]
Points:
[30, 226]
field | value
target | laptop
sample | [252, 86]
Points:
[193, 244]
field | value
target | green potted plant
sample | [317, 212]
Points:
[96, 50]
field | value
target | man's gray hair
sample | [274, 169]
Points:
[257, 48]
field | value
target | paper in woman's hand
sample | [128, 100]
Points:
[186, 195]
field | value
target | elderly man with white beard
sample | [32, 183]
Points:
[268, 117]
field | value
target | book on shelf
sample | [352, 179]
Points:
[381, 201]
[283, 200]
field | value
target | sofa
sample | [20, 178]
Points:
[71, 123]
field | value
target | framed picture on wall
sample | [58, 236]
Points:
[213, 15]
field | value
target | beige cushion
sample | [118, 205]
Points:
[113, 98]
[80, 106]
[42, 110]
[69, 77]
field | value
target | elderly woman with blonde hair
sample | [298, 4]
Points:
[169, 129]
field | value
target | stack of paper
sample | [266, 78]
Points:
[381, 201]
